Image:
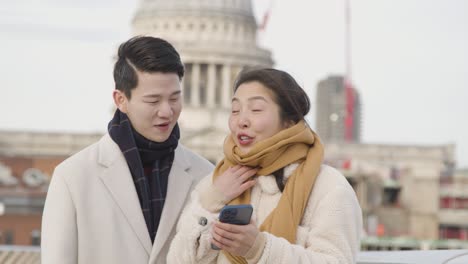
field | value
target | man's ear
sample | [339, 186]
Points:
[120, 100]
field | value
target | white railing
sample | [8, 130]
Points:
[31, 255]
[20, 255]
[414, 257]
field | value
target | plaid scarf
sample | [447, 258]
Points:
[140, 152]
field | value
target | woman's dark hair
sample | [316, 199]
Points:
[292, 100]
[145, 54]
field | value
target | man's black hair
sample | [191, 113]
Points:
[144, 54]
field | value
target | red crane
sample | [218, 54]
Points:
[266, 16]
[348, 85]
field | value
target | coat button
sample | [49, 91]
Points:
[203, 221]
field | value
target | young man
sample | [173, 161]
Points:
[118, 200]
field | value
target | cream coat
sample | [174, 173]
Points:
[92, 214]
[329, 231]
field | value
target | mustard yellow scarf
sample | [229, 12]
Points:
[296, 144]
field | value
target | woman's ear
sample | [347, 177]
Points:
[288, 123]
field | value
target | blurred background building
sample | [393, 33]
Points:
[412, 196]
[331, 103]
[27, 160]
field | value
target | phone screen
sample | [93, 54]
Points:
[236, 215]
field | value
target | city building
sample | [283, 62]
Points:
[331, 111]
[216, 40]
[410, 195]
[27, 161]
[453, 213]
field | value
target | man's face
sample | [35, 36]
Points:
[154, 106]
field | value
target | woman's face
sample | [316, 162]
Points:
[255, 115]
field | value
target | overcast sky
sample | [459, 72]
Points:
[409, 60]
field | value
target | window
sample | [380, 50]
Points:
[450, 232]
[390, 196]
[445, 202]
[354, 183]
[35, 237]
[9, 237]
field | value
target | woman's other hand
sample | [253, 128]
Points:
[235, 239]
[235, 180]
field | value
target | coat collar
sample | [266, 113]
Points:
[178, 189]
[118, 181]
[268, 183]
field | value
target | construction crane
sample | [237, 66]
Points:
[348, 84]
[266, 16]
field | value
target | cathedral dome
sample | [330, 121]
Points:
[203, 26]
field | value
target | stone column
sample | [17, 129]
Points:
[182, 84]
[226, 86]
[362, 189]
[186, 84]
[211, 85]
[195, 96]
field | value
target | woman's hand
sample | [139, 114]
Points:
[234, 181]
[235, 239]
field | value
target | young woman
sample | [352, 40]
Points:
[304, 211]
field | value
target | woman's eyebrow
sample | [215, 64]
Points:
[235, 99]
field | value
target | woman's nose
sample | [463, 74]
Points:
[244, 121]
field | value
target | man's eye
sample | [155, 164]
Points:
[256, 110]
[234, 111]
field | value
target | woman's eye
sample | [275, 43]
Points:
[256, 110]
[234, 111]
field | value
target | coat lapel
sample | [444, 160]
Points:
[118, 181]
[177, 191]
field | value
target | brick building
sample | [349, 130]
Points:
[27, 161]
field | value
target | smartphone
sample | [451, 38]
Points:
[235, 214]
